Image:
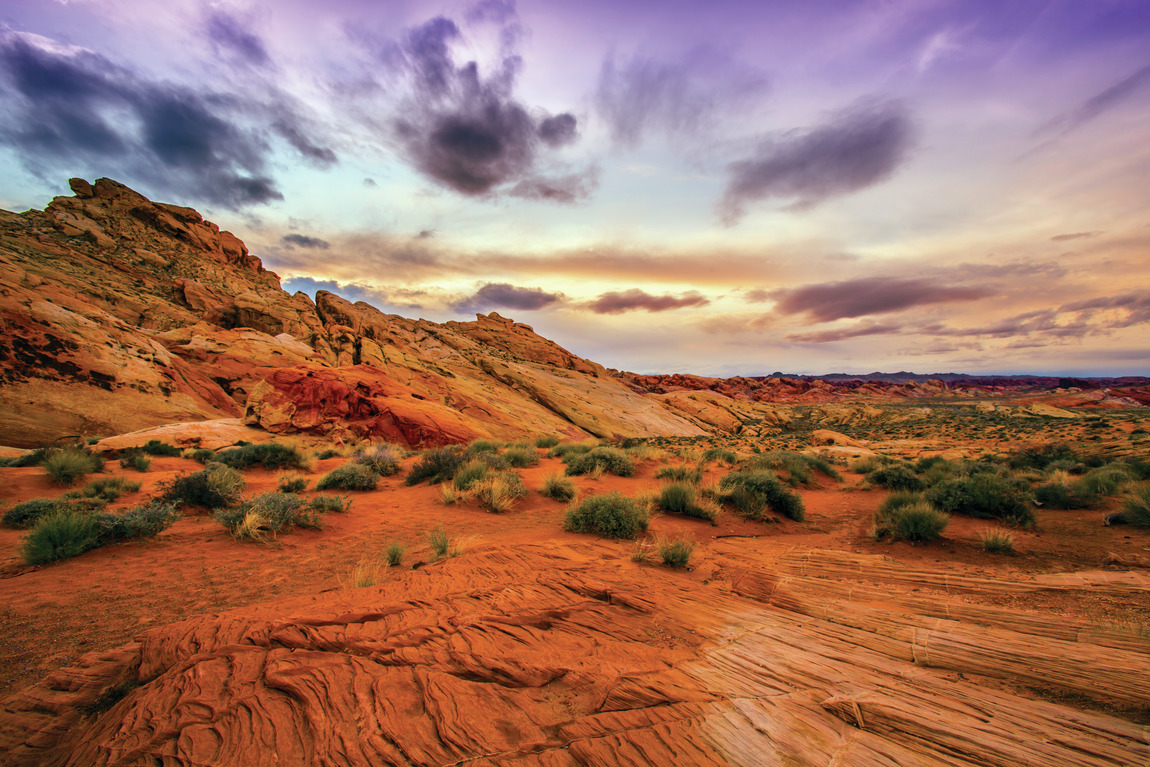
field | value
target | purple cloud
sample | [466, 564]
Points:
[303, 241]
[502, 295]
[630, 300]
[842, 334]
[829, 301]
[228, 36]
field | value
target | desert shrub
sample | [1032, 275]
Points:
[680, 498]
[983, 496]
[268, 513]
[270, 455]
[156, 447]
[521, 457]
[199, 454]
[26, 514]
[214, 486]
[1040, 456]
[895, 477]
[568, 448]
[350, 476]
[382, 459]
[435, 466]
[483, 446]
[1105, 481]
[1136, 507]
[675, 553]
[60, 535]
[440, 542]
[291, 482]
[800, 468]
[499, 492]
[1068, 465]
[609, 459]
[898, 500]
[144, 521]
[558, 487]
[326, 503]
[719, 454]
[330, 452]
[105, 488]
[869, 464]
[752, 492]
[1058, 495]
[996, 541]
[610, 515]
[680, 473]
[471, 473]
[910, 520]
[547, 441]
[31, 458]
[448, 495]
[66, 467]
[1138, 469]
[395, 554]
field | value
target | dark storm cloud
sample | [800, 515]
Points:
[842, 334]
[825, 302]
[502, 295]
[226, 34]
[617, 302]
[303, 241]
[1075, 236]
[68, 110]
[294, 135]
[857, 149]
[466, 131]
[643, 96]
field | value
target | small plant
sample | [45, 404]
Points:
[67, 467]
[291, 482]
[105, 488]
[144, 521]
[983, 496]
[448, 495]
[60, 535]
[26, 514]
[330, 452]
[609, 459]
[137, 461]
[895, 477]
[499, 493]
[439, 541]
[435, 466]
[214, 486]
[915, 520]
[753, 492]
[156, 447]
[641, 552]
[350, 476]
[198, 454]
[548, 441]
[270, 455]
[1136, 507]
[996, 541]
[610, 515]
[395, 552]
[365, 573]
[558, 487]
[680, 473]
[472, 472]
[334, 503]
[680, 498]
[521, 457]
[1103, 482]
[675, 553]
[566, 449]
[483, 446]
[382, 459]
[268, 513]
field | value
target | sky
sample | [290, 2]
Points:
[720, 188]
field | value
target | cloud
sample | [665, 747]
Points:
[502, 295]
[829, 301]
[1075, 236]
[630, 300]
[387, 300]
[227, 36]
[304, 241]
[642, 96]
[1097, 105]
[867, 328]
[855, 150]
[70, 110]
[466, 132]
[1078, 319]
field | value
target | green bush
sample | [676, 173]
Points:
[66, 467]
[984, 496]
[60, 535]
[1040, 456]
[612, 460]
[680, 498]
[471, 473]
[996, 541]
[270, 455]
[1103, 482]
[753, 492]
[799, 468]
[435, 466]
[382, 459]
[719, 454]
[558, 487]
[326, 503]
[144, 521]
[350, 476]
[268, 513]
[440, 542]
[610, 515]
[292, 483]
[26, 514]
[568, 448]
[915, 521]
[499, 492]
[1136, 507]
[395, 554]
[549, 441]
[681, 473]
[31, 458]
[330, 452]
[105, 488]
[1056, 495]
[156, 447]
[214, 486]
[483, 446]
[895, 477]
[137, 461]
[521, 457]
[675, 553]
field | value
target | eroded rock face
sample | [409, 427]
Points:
[541, 655]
